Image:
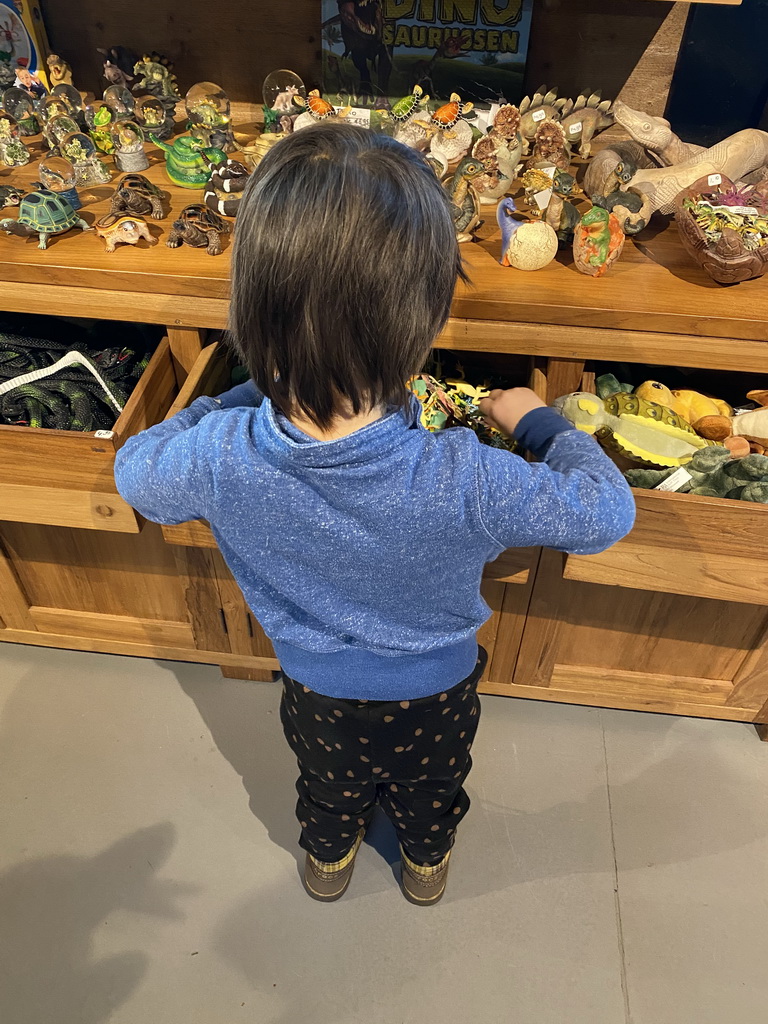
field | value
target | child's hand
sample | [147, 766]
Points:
[505, 409]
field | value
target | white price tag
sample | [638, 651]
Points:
[715, 179]
[539, 115]
[550, 171]
[484, 118]
[104, 435]
[674, 482]
[575, 128]
[741, 211]
[542, 198]
[357, 115]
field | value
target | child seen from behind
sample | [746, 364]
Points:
[327, 497]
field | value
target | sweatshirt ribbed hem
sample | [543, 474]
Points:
[354, 674]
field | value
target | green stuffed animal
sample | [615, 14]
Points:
[714, 474]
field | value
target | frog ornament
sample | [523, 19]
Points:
[645, 433]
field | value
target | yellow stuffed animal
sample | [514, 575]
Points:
[691, 406]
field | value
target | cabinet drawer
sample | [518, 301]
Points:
[686, 544]
[66, 478]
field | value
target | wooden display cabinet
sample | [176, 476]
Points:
[674, 618]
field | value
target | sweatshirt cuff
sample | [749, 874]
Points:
[246, 394]
[538, 428]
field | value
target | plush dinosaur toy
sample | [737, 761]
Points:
[714, 473]
[691, 405]
[647, 433]
[742, 430]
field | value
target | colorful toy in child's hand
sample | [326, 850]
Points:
[714, 473]
[597, 242]
[454, 403]
[644, 432]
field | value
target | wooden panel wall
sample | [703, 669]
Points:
[575, 44]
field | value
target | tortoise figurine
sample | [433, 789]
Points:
[125, 230]
[199, 227]
[43, 213]
[136, 195]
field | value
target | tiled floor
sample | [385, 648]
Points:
[614, 868]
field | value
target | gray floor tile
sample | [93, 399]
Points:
[148, 866]
[690, 811]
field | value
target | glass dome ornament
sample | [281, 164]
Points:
[20, 105]
[120, 102]
[208, 115]
[278, 92]
[154, 117]
[13, 152]
[80, 149]
[128, 140]
[58, 175]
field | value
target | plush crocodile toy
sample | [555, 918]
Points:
[715, 474]
[645, 433]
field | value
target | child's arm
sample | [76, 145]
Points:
[159, 471]
[574, 500]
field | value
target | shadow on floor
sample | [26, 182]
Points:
[49, 909]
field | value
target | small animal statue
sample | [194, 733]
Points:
[454, 135]
[583, 119]
[124, 230]
[118, 65]
[550, 147]
[225, 187]
[597, 242]
[492, 185]
[199, 227]
[646, 433]
[655, 135]
[10, 196]
[561, 214]
[406, 107]
[543, 105]
[188, 160]
[631, 209]
[43, 213]
[525, 245]
[136, 195]
[59, 72]
[155, 78]
[465, 204]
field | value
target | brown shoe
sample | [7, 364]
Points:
[327, 882]
[424, 886]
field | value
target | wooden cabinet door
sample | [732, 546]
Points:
[615, 646]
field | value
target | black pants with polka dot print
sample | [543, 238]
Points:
[411, 757]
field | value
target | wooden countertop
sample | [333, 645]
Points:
[653, 287]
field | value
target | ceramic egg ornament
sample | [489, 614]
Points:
[525, 245]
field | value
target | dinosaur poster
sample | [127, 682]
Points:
[378, 50]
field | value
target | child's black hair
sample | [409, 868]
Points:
[344, 264]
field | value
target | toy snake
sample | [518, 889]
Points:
[45, 383]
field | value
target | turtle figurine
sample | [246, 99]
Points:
[43, 213]
[408, 105]
[136, 195]
[125, 230]
[199, 227]
[10, 196]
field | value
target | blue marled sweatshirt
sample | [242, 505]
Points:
[362, 557]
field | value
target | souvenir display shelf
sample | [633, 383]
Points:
[672, 619]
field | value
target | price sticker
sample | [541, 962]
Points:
[104, 435]
[715, 179]
[674, 482]
[575, 128]
[357, 115]
[542, 198]
[539, 115]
